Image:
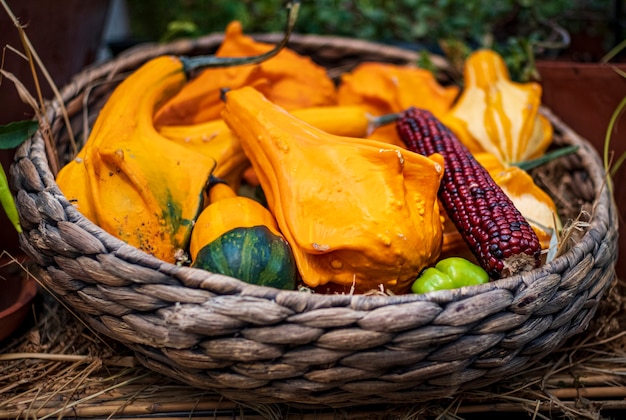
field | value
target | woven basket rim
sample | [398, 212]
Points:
[144, 52]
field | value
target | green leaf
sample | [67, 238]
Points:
[547, 157]
[15, 133]
[180, 29]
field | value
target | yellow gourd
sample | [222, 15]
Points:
[355, 211]
[386, 88]
[348, 120]
[496, 115]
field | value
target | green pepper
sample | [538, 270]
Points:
[450, 273]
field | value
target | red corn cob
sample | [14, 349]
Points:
[498, 235]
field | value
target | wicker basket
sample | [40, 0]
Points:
[259, 344]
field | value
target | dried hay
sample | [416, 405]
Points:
[57, 367]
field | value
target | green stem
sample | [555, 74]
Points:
[614, 51]
[194, 63]
[618, 164]
[612, 170]
[607, 139]
[547, 157]
[379, 121]
[8, 204]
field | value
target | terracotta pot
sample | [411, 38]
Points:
[18, 291]
[584, 96]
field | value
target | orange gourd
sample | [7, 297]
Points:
[131, 181]
[135, 183]
[216, 140]
[355, 211]
[289, 79]
[226, 211]
[238, 237]
[384, 88]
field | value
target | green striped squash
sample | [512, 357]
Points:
[251, 254]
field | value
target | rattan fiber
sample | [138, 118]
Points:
[259, 344]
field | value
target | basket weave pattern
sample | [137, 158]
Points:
[259, 344]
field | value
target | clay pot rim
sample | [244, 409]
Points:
[12, 316]
[26, 295]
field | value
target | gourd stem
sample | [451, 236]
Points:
[214, 180]
[216, 193]
[206, 61]
[381, 120]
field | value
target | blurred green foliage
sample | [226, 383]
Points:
[515, 28]
[382, 20]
